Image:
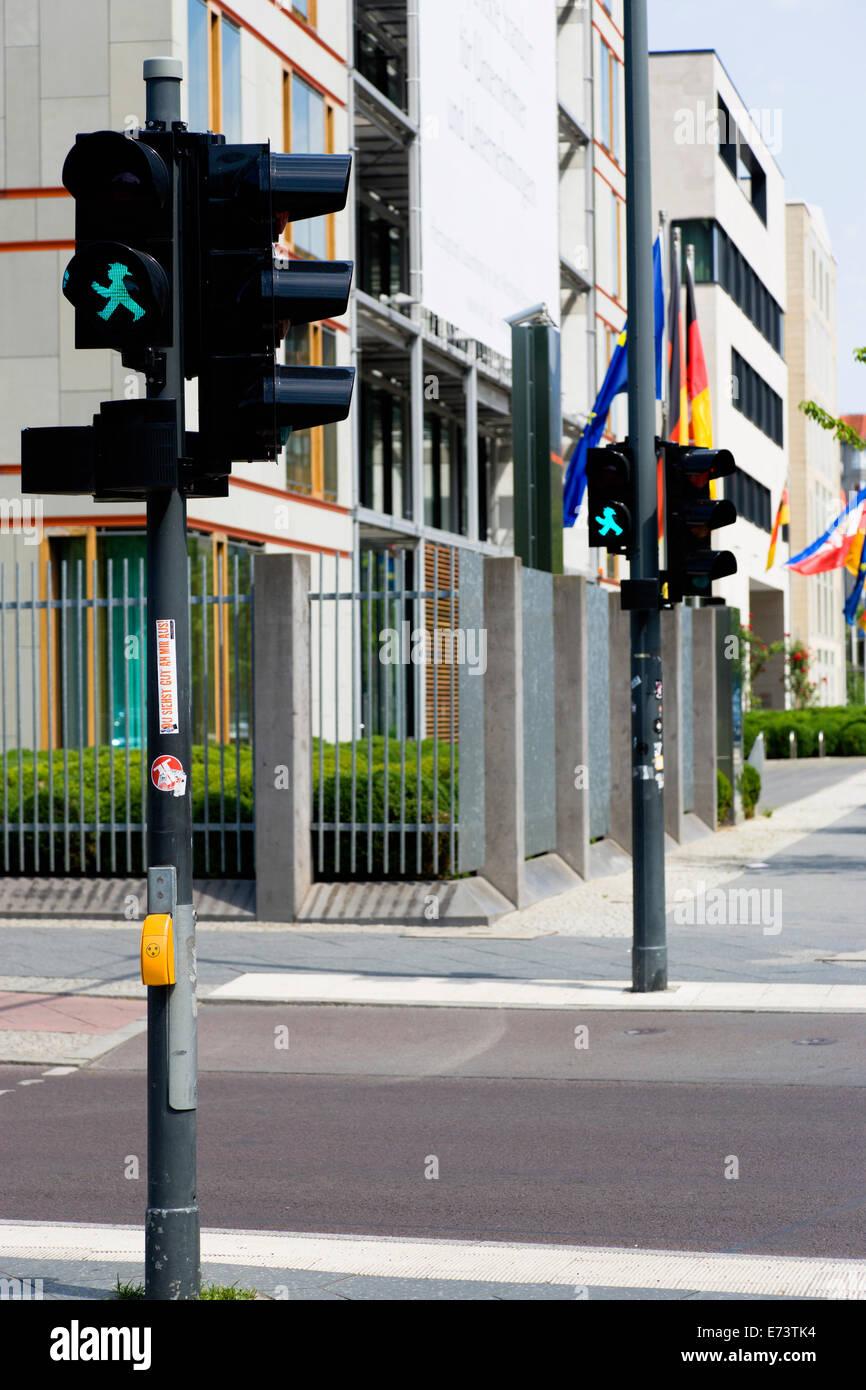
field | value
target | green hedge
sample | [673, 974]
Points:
[370, 850]
[238, 802]
[725, 797]
[844, 729]
[750, 789]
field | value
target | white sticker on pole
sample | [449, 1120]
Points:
[166, 675]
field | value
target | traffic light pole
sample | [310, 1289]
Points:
[172, 1258]
[649, 947]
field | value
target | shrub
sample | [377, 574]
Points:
[834, 720]
[725, 795]
[852, 741]
[750, 789]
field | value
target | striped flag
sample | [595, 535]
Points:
[783, 516]
[830, 551]
[697, 381]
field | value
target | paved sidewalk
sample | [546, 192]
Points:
[80, 1260]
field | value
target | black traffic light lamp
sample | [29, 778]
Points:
[250, 296]
[120, 278]
[691, 516]
[610, 485]
[128, 452]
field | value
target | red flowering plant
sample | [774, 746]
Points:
[802, 690]
[759, 654]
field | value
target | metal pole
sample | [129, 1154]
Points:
[649, 950]
[172, 1259]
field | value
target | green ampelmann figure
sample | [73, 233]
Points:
[116, 294]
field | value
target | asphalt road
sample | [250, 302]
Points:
[533, 1145]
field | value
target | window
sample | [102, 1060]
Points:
[230, 83]
[196, 67]
[213, 71]
[742, 162]
[308, 131]
[751, 499]
[444, 468]
[299, 454]
[381, 58]
[609, 87]
[329, 432]
[755, 399]
[604, 67]
[383, 253]
[385, 476]
[311, 455]
[717, 259]
[615, 257]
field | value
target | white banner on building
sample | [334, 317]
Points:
[489, 162]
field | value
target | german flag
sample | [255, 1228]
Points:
[783, 517]
[678, 405]
[697, 382]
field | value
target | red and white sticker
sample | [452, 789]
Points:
[166, 675]
[167, 774]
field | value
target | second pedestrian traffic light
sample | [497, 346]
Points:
[250, 295]
[611, 497]
[691, 516]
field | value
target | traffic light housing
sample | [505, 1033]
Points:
[250, 296]
[610, 481]
[691, 516]
[120, 278]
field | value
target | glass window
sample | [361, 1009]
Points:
[308, 137]
[231, 80]
[614, 83]
[614, 244]
[329, 461]
[604, 65]
[299, 462]
[196, 67]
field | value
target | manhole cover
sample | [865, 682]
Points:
[814, 1042]
[639, 1032]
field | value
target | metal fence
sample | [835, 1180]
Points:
[73, 664]
[385, 645]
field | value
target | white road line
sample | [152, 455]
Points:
[427, 991]
[487, 1261]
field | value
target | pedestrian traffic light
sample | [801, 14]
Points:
[120, 278]
[691, 516]
[250, 296]
[611, 495]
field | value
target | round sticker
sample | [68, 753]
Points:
[167, 774]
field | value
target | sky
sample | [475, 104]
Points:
[808, 62]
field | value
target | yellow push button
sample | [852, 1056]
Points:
[157, 949]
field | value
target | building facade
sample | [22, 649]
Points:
[715, 178]
[815, 480]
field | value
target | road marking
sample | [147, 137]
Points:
[310, 987]
[489, 1261]
[59, 1071]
